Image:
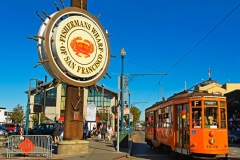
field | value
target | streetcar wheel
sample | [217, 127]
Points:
[226, 157]
[171, 153]
[150, 144]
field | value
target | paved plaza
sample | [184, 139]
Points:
[106, 150]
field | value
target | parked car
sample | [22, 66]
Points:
[42, 129]
[4, 131]
[11, 127]
[233, 136]
[138, 128]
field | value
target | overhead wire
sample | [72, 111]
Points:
[195, 46]
[143, 66]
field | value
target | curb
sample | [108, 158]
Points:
[125, 155]
[32, 158]
[130, 144]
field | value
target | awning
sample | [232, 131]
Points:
[61, 118]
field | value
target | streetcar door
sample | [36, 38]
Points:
[183, 130]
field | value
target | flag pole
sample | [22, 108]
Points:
[209, 73]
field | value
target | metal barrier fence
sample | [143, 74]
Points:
[29, 145]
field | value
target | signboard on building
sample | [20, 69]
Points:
[91, 112]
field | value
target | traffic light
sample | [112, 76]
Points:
[39, 88]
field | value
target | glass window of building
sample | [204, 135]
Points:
[50, 97]
[96, 98]
[63, 97]
[39, 98]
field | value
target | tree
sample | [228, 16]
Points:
[104, 115]
[136, 114]
[17, 114]
[35, 118]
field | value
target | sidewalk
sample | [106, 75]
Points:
[97, 150]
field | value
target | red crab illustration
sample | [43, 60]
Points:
[82, 47]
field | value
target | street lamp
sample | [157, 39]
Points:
[102, 100]
[129, 106]
[123, 53]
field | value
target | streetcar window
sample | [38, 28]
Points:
[196, 117]
[165, 118]
[211, 114]
[223, 118]
[222, 104]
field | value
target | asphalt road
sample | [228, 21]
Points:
[141, 151]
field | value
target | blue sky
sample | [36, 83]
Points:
[158, 36]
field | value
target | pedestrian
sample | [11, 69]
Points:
[94, 130]
[85, 131]
[61, 131]
[56, 132]
[103, 132]
[19, 131]
[109, 131]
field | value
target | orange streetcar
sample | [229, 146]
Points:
[193, 124]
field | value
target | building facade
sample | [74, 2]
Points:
[52, 102]
[232, 93]
[4, 117]
[212, 86]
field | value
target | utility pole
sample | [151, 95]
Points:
[102, 101]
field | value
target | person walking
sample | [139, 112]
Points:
[109, 131]
[61, 132]
[85, 131]
[94, 131]
[56, 132]
[18, 139]
[103, 132]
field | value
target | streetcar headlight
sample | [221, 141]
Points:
[211, 140]
[194, 144]
[211, 134]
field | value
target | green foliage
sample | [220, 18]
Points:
[35, 118]
[136, 114]
[17, 114]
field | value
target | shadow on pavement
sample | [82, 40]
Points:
[54, 149]
[234, 145]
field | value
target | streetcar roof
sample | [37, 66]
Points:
[186, 94]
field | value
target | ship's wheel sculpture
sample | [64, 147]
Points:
[73, 46]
